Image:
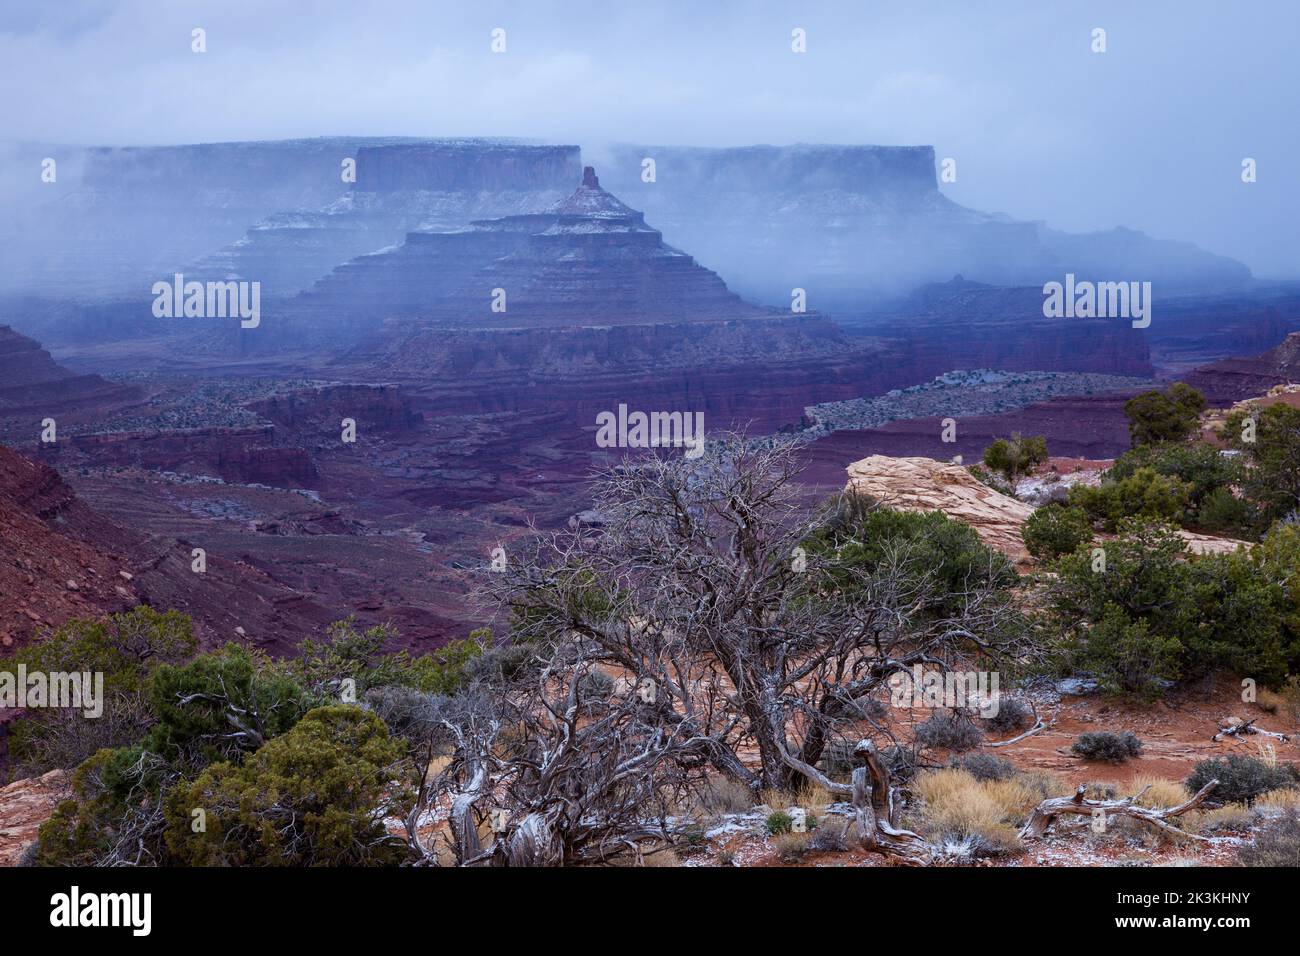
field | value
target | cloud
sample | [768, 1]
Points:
[1149, 134]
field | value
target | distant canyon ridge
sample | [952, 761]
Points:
[850, 224]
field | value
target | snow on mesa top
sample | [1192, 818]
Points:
[592, 201]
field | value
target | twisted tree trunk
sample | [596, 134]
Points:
[1047, 811]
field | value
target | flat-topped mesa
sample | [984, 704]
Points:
[588, 260]
[399, 187]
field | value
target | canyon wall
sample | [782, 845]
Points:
[280, 212]
[243, 455]
[854, 224]
[34, 387]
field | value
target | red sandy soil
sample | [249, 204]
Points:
[1176, 734]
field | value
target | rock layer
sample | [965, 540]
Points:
[922, 484]
[24, 805]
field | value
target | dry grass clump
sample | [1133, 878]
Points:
[1279, 800]
[1277, 844]
[958, 806]
[811, 796]
[724, 795]
[1163, 793]
[791, 847]
[1230, 818]
[1285, 701]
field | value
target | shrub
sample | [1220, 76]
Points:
[944, 559]
[115, 792]
[948, 732]
[792, 847]
[1145, 493]
[1163, 417]
[901, 762]
[1241, 779]
[222, 704]
[448, 669]
[1276, 844]
[1203, 469]
[502, 663]
[1125, 657]
[1054, 530]
[126, 648]
[1121, 621]
[831, 838]
[1014, 456]
[985, 767]
[348, 654]
[1222, 512]
[778, 821]
[316, 796]
[1272, 460]
[1241, 620]
[1013, 714]
[1106, 746]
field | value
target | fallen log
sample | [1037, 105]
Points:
[1028, 733]
[1046, 812]
[1246, 729]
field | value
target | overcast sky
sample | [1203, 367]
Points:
[1149, 134]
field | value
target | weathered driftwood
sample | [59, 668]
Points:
[1246, 729]
[1047, 811]
[1040, 725]
[876, 816]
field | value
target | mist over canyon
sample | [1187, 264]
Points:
[473, 307]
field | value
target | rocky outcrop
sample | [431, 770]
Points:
[56, 562]
[278, 212]
[382, 408]
[119, 218]
[923, 484]
[466, 166]
[24, 805]
[1191, 331]
[982, 326]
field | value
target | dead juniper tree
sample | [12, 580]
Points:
[713, 579]
[563, 765]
